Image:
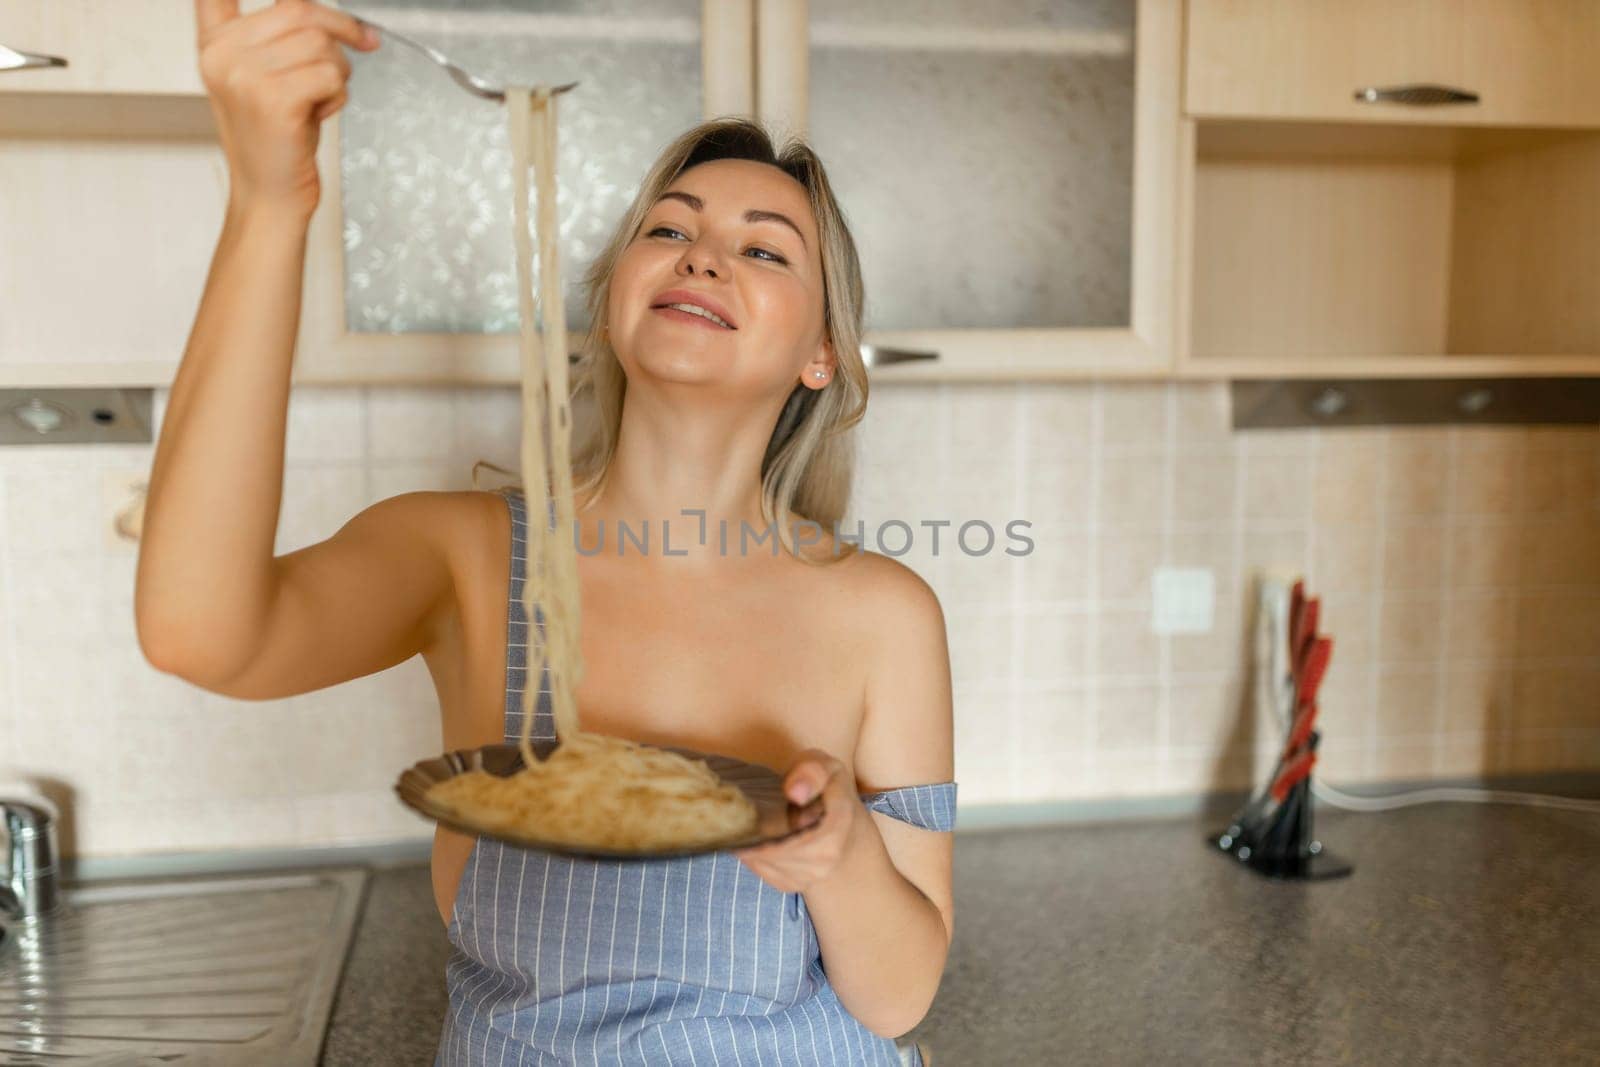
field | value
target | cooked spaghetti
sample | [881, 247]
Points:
[608, 793]
[593, 790]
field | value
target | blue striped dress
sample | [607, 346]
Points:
[689, 960]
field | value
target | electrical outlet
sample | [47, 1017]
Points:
[1184, 600]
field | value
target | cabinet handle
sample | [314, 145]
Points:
[880, 355]
[1415, 95]
[14, 60]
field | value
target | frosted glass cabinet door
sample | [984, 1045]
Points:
[426, 282]
[985, 157]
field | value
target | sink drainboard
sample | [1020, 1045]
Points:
[227, 970]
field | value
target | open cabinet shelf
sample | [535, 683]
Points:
[1325, 249]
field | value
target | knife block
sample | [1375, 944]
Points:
[1272, 833]
[1275, 840]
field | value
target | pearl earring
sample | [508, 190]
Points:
[820, 374]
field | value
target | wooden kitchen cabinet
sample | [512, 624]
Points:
[113, 185]
[1529, 62]
[1047, 254]
[1255, 235]
[411, 272]
[112, 192]
[1322, 239]
[1009, 170]
[114, 172]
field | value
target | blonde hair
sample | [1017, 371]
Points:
[810, 457]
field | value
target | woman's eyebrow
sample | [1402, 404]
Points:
[753, 215]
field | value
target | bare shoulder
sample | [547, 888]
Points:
[896, 618]
[476, 524]
[907, 726]
[893, 586]
[442, 516]
[893, 590]
[873, 588]
[857, 567]
[476, 507]
[459, 526]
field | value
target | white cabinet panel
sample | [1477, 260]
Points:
[107, 238]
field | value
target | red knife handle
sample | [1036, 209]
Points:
[1305, 635]
[1311, 672]
[1302, 727]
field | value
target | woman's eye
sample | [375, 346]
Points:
[772, 257]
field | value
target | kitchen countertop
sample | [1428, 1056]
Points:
[1468, 933]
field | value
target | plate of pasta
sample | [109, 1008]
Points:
[606, 797]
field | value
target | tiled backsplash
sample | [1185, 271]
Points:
[1460, 571]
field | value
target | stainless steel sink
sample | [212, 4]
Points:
[220, 970]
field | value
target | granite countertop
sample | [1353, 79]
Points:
[1468, 933]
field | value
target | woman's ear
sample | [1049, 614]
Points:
[819, 372]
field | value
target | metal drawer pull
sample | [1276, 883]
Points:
[1418, 95]
[13, 60]
[881, 356]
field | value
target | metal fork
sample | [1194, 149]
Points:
[476, 86]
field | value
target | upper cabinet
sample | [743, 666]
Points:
[985, 157]
[1499, 62]
[112, 191]
[1037, 188]
[411, 274]
[1010, 171]
[1327, 234]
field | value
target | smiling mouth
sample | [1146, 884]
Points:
[692, 314]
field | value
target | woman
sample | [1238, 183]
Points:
[820, 949]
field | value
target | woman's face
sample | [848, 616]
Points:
[719, 234]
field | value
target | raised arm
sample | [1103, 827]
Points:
[210, 597]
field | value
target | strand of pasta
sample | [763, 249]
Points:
[551, 573]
